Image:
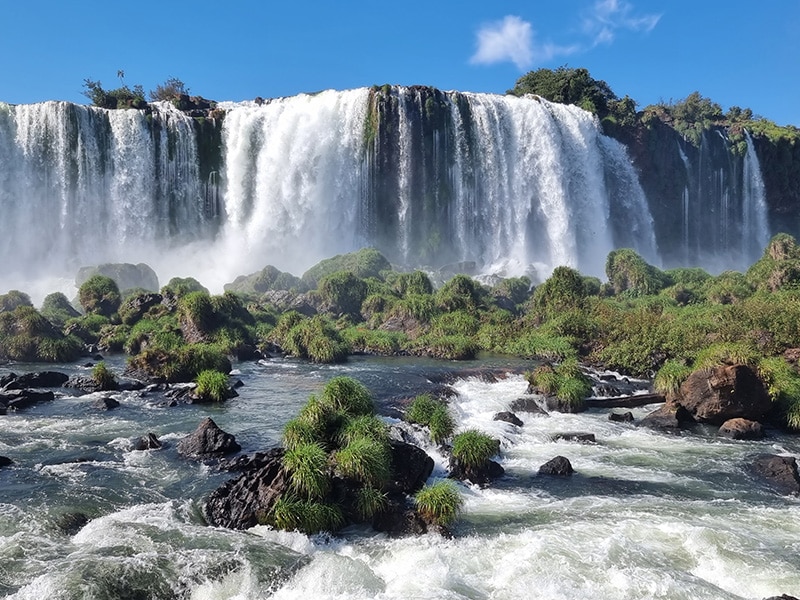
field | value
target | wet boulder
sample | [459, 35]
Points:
[19, 399]
[669, 419]
[410, 467]
[208, 441]
[147, 442]
[742, 429]
[780, 472]
[5, 461]
[480, 475]
[42, 379]
[399, 519]
[721, 393]
[559, 465]
[508, 417]
[106, 403]
[624, 417]
[528, 405]
[246, 501]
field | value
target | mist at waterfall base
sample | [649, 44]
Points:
[646, 515]
[515, 185]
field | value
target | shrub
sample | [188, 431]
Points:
[367, 262]
[364, 460]
[348, 396]
[181, 364]
[457, 322]
[448, 347]
[57, 309]
[306, 516]
[628, 272]
[103, 377]
[370, 502]
[212, 386]
[460, 293]
[726, 353]
[670, 376]
[100, 295]
[14, 299]
[315, 339]
[516, 289]
[439, 503]
[538, 344]
[179, 287]
[364, 426]
[411, 283]
[783, 386]
[473, 449]
[307, 465]
[25, 335]
[343, 293]
[563, 290]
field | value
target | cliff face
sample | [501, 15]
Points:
[715, 203]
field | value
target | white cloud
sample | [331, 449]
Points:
[513, 40]
[607, 16]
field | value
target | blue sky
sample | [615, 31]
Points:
[735, 52]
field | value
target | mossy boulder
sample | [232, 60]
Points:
[367, 262]
[127, 276]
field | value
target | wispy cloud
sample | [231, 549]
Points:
[514, 40]
[606, 17]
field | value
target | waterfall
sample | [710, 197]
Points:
[430, 178]
[81, 185]
[754, 208]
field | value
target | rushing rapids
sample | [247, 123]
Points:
[428, 177]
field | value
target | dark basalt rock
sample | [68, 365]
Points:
[70, 523]
[19, 399]
[208, 441]
[147, 442]
[5, 461]
[742, 429]
[626, 417]
[781, 597]
[107, 403]
[779, 471]
[410, 467]
[508, 417]
[244, 502]
[42, 379]
[668, 419]
[482, 475]
[399, 519]
[87, 384]
[557, 466]
[528, 405]
[575, 436]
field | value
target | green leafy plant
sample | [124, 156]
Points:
[473, 449]
[439, 503]
[103, 377]
[307, 465]
[212, 385]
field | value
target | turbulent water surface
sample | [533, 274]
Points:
[646, 515]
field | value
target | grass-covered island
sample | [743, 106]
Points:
[340, 464]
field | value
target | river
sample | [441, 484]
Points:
[646, 515]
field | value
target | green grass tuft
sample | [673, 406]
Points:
[439, 503]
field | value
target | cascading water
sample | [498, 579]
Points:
[754, 209]
[428, 177]
[500, 181]
[80, 185]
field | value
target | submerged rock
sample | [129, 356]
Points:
[107, 403]
[575, 436]
[208, 441]
[667, 418]
[147, 442]
[508, 417]
[742, 429]
[779, 471]
[625, 417]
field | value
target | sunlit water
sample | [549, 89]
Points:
[646, 515]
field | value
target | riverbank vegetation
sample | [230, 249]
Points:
[642, 321]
